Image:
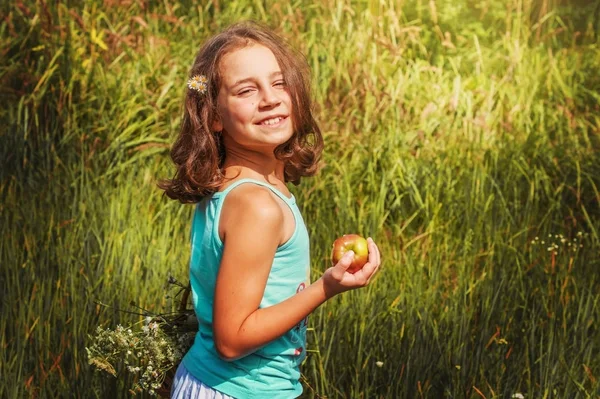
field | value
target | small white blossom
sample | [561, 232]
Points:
[145, 350]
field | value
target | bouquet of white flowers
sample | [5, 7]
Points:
[150, 350]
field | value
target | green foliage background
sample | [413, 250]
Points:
[456, 132]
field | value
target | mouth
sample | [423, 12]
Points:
[274, 121]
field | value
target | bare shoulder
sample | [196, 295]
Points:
[252, 206]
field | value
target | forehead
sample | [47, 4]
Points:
[252, 61]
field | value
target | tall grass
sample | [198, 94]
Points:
[456, 132]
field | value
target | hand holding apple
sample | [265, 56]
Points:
[354, 243]
[349, 270]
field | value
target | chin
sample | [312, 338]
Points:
[276, 139]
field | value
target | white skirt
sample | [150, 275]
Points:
[186, 386]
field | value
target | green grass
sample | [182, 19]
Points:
[456, 133]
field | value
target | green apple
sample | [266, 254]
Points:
[351, 242]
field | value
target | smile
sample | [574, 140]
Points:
[273, 121]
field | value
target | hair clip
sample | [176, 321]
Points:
[198, 83]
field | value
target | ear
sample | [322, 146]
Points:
[217, 125]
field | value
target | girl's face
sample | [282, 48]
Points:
[254, 105]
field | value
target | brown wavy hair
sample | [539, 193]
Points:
[199, 153]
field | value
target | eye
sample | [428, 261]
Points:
[280, 83]
[245, 91]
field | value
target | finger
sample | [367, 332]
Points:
[369, 267]
[376, 260]
[372, 250]
[373, 274]
[378, 255]
[340, 268]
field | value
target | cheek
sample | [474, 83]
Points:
[236, 114]
[243, 112]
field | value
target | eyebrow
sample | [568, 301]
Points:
[246, 80]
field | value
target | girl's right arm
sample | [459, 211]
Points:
[252, 232]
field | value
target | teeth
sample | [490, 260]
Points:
[272, 121]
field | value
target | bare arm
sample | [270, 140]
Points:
[252, 232]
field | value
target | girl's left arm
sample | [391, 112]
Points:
[252, 232]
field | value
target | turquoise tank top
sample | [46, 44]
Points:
[273, 370]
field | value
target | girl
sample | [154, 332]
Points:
[247, 131]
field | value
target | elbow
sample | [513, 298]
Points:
[226, 351]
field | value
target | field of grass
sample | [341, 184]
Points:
[463, 136]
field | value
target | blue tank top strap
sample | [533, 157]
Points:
[287, 200]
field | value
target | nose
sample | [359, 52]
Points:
[269, 99]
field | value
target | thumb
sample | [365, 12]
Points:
[345, 262]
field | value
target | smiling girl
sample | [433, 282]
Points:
[248, 130]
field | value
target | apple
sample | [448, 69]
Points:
[351, 242]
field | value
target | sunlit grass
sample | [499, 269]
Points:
[455, 135]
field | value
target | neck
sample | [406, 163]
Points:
[253, 165]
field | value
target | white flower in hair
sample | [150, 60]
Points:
[198, 83]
